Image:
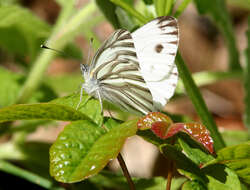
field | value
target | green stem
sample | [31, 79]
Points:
[31, 177]
[130, 10]
[247, 82]
[198, 102]
[62, 34]
[181, 8]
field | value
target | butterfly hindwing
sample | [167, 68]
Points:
[156, 45]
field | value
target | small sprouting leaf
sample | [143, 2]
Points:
[88, 106]
[84, 148]
[147, 121]
[46, 111]
[196, 131]
[237, 158]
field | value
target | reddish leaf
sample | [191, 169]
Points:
[160, 128]
[195, 130]
[147, 121]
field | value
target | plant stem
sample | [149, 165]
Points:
[170, 174]
[31, 177]
[198, 102]
[130, 10]
[247, 82]
[125, 172]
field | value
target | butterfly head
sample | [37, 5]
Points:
[90, 84]
[84, 68]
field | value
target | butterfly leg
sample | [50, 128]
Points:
[80, 98]
[100, 99]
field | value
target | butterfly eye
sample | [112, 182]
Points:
[84, 68]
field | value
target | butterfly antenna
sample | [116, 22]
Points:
[56, 50]
[91, 47]
[88, 58]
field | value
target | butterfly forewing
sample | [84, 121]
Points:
[156, 45]
[116, 68]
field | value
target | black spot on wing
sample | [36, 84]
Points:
[158, 48]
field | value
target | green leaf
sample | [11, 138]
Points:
[221, 178]
[63, 32]
[46, 111]
[149, 136]
[237, 158]
[11, 83]
[182, 7]
[29, 176]
[110, 180]
[198, 102]
[148, 2]
[126, 21]
[88, 106]
[35, 157]
[184, 165]
[129, 9]
[193, 185]
[193, 151]
[21, 32]
[10, 86]
[217, 9]
[247, 82]
[83, 149]
[214, 177]
[108, 9]
[234, 137]
[65, 83]
[9, 2]
[73, 52]
[242, 4]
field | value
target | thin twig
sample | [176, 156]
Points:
[125, 172]
[170, 174]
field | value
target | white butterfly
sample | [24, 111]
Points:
[136, 71]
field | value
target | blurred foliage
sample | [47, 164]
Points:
[84, 148]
